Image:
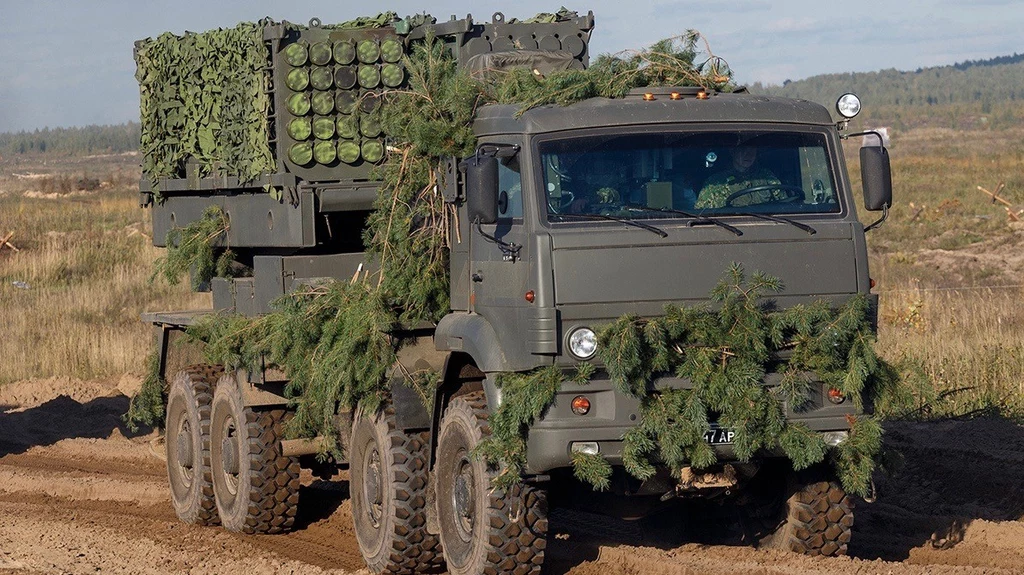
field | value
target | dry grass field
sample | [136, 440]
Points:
[70, 298]
[949, 265]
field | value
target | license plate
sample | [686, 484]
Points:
[719, 436]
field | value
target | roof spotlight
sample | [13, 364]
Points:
[848, 105]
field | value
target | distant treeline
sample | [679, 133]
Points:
[997, 61]
[85, 140]
[985, 82]
[955, 94]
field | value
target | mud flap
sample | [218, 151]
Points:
[410, 413]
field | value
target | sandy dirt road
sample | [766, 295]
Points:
[79, 494]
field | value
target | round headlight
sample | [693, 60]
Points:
[583, 343]
[848, 105]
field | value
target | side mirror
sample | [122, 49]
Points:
[876, 177]
[482, 189]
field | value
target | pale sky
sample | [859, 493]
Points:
[69, 62]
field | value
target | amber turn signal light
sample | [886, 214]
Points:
[836, 396]
[580, 405]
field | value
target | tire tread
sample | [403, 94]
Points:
[819, 520]
[518, 519]
[274, 495]
[202, 379]
[413, 549]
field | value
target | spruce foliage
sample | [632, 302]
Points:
[669, 62]
[333, 341]
[408, 230]
[524, 398]
[592, 468]
[725, 352]
[855, 458]
[147, 406]
[190, 249]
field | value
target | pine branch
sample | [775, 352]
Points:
[592, 468]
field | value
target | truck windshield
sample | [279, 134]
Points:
[720, 173]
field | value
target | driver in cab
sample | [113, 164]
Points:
[742, 175]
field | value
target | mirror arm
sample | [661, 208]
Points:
[510, 251]
[878, 222]
[500, 151]
[867, 133]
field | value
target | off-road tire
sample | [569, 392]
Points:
[817, 517]
[388, 486]
[187, 440]
[504, 532]
[256, 488]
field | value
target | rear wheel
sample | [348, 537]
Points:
[483, 529]
[389, 496]
[257, 488]
[188, 444]
[815, 518]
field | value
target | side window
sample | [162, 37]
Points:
[815, 176]
[510, 186]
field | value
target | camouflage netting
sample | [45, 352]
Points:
[335, 342]
[204, 96]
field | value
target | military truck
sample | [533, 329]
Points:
[569, 217]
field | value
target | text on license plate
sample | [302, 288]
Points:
[719, 436]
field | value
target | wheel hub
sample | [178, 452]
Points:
[463, 500]
[230, 456]
[183, 450]
[372, 483]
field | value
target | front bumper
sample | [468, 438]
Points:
[612, 414]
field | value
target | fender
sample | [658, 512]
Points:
[473, 335]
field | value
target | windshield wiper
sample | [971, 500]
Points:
[697, 219]
[782, 220]
[628, 221]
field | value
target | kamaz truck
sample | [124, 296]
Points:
[568, 218]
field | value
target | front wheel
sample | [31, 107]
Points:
[483, 529]
[816, 517]
[257, 488]
[388, 470]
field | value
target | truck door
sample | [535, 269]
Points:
[499, 269]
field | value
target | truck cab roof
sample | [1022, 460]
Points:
[658, 107]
